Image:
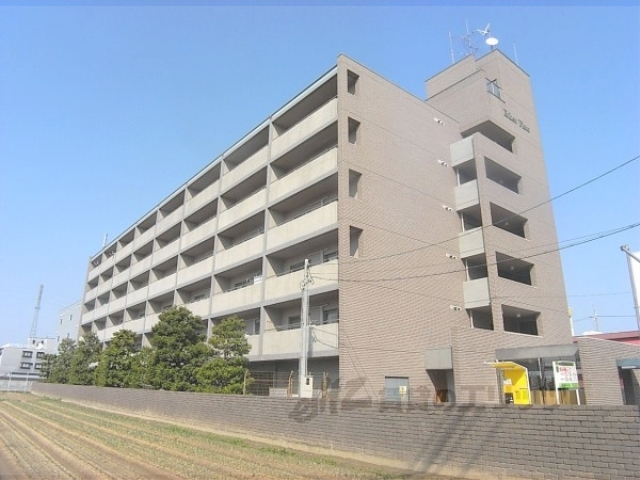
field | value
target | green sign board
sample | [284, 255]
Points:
[565, 375]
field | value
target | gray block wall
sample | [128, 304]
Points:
[468, 441]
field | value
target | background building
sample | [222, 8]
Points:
[427, 224]
[20, 364]
[69, 322]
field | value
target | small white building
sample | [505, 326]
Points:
[21, 364]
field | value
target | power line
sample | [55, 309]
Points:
[515, 215]
[411, 277]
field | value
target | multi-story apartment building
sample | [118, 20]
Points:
[427, 225]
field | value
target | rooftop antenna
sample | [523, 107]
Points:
[34, 323]
[105, 240]
[468, 43]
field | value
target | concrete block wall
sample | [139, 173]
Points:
[467, 441]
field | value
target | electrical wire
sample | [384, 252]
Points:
[515, 215]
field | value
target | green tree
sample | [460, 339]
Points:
[85, 360]
[225, 373]
[116, 361]
[60, 367]
[141, 368]
[179, 350]
[46, 369]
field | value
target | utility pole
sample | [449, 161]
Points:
[34, 323]
[634, 288]
[304, 332]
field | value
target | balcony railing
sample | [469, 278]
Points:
[236, 299]
[471, 242]
[309, 125]
[325, 274]
[202, 198]
[322, 338]
[246, 168]
[308, 172]
[476, 293]
[200, 233]
[193, 272]
[248, 205]
[467, 195]
[239, 252]
[314, 221]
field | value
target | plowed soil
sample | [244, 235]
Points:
[47, 439]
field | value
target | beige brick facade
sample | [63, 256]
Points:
[427, 224]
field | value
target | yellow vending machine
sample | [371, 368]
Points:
[515, 382]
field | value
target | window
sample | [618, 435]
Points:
[40, 355]
[329, 315]
[25, 365]
[352, 82]
[294, 322]
[493, 88]
[201, 295]
[295, 267]
[253, 326]
[354, 241]
[329, 255]
[354, 181]
[27, 354]
[354, 126]
[396, 389]
[38, 366]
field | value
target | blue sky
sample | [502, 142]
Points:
[105, 111]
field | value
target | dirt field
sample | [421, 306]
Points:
[48, 439]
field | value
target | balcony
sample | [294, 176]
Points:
[471, 242]
[145, 237]
[140, 267]
[310, 172]
[120, 278]
[201, 307]
[109, 332]
[117, 304]
[315, 121]
[136, 325]
[104, 287]
[107, 263]
[236, 299]
[322, 338]
[166, 252]
[325, 275]
[249, 205]
[202, 232]
[163, 285]
[169, 221]
[306, 225]
[196, 271]
[466, 195]
[101, 311]
[90, 295]
[462, 151]
[246, 168]
[137, 296]
[124, 252]
[150, 322]
[202, 198]
[476, 293]
[240, 252]
[94, 271]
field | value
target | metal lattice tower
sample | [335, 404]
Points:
[34, 323]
